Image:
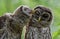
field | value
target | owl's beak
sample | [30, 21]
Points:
[39, 19]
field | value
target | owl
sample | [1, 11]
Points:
[15, 22]
[39, 25]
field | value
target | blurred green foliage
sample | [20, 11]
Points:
[11, 5]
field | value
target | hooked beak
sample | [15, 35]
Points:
[39, 19]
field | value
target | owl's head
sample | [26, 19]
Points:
[42, 16]
[25, 10]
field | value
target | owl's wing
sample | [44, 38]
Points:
[2, 21]
[2, 25]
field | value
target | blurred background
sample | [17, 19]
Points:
[10, 5]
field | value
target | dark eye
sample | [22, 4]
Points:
[25, 9]
[37, 13]
[45, 16]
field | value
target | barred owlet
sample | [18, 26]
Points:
[39, 26]
[15, 22]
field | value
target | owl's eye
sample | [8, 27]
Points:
[25, 9]
[45, 16]
[37, 14]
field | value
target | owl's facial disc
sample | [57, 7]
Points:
[45, 16]
[37, 15]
